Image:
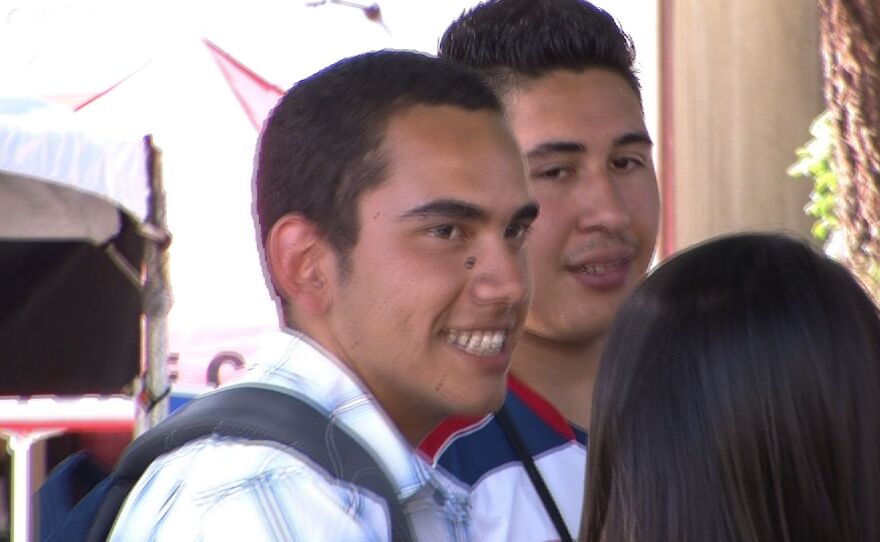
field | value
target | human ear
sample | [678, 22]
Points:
[296, 254]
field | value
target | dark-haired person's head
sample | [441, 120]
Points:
[514, 41]
[564, 70]
[393, 207]
[739, 400]
[320, 148]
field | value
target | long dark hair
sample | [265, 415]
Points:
[739, 400]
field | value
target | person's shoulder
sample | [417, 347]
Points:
[216, 460]
[226, 486]
[211, 469]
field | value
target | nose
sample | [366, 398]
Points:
[501, 276]
[601, 204]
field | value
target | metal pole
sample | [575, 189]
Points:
[19, 446]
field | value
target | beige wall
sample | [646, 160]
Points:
[741, 82]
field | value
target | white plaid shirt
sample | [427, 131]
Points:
[230, 489]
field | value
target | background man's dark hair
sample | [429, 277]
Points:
[512, 40]
[321, 146]
[739, 400]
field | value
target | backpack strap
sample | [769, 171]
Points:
[255, 413]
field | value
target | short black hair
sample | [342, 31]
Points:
[512, 40]
[320, 149]
[738, 399]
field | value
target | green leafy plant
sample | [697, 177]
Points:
[814, 162]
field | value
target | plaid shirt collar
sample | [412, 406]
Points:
[309, 369]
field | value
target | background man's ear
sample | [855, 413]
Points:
[297, 259]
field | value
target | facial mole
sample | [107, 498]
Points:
[439, 385]
[469, 262]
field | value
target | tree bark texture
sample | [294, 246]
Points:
[850, 41]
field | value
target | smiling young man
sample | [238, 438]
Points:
[393, 205]
[564, 72]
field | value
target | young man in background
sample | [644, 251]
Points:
[564, 72]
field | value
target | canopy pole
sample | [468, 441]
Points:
[153, 395]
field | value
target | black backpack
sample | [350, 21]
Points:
[248, 412]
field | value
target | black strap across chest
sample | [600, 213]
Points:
[256, 413]
[519, 447]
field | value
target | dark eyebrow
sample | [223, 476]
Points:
[527, 211]
[553, 147]
[447, 208]
[633, 138]
[450, 208]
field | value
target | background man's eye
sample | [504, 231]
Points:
[446, 231]
[554, 173]
[625, 163]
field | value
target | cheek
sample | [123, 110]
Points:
[547, 238]
[555, 218]
[417, 292]
[643, 202]
[526, 266]
[540, 258]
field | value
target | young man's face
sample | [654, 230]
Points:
[438, 284]
[589, 157]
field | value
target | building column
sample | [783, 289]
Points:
[740, 83]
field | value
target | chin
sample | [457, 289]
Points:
[488, 406]
[585, 324]
[587, 336]
[576, 329]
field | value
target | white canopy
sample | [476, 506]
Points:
[42, 141]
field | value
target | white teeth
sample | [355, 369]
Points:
[600, 268]
[478, 343]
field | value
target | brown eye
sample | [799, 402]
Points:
[555, 173]
[626, 163]
[446, 231]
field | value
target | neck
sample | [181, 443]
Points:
[413, 428]
[414, 433]
[564, 373]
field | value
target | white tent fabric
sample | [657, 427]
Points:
[48, 142]
[73, 199]
[36, 210]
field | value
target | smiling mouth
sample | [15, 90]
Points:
[477, 343]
